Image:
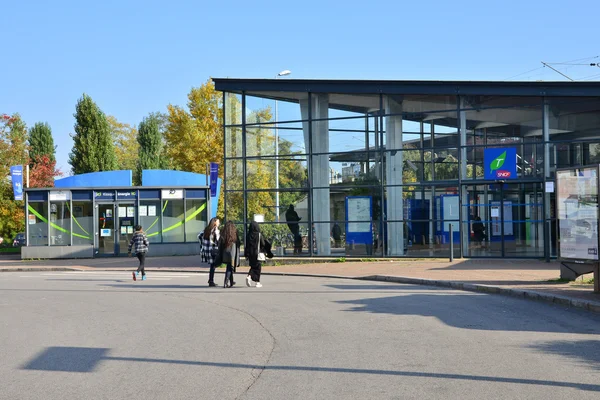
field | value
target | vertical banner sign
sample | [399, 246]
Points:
[16, 172]
[500, 163]
[214, 174]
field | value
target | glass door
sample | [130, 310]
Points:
[505, 220]
[125, 225]
[106, 229]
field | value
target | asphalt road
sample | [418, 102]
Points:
[99, 335]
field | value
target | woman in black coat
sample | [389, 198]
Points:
[255, 244]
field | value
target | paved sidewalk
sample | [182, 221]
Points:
[522, 278]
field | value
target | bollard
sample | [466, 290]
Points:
[451, 243]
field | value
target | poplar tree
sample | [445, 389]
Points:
[150, 140]
[93, 148]
[41, 142]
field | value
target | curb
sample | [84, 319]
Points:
[518, 293]
[34, 269]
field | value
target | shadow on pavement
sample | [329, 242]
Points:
[480, 311]
[586, 352]
[87, 359]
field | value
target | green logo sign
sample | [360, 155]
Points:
[498, 162]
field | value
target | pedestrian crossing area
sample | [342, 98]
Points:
[116, 275]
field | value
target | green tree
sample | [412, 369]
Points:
[41, 142]
[150, 140]
[13, 151]
[126, 146]
[93, 148]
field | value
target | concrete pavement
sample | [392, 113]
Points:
[530, 279]
[96, 334]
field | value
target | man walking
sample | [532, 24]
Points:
[139, 242]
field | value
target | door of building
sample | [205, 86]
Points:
[511, 216]
[105, 234]
[116, 222]
[126, 213]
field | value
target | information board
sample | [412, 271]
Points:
[577, 203]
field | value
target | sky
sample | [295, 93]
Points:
[135, 57]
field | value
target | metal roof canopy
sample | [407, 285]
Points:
[496, 88]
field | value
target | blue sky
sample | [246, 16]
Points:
[135, 57]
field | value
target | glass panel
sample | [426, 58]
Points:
[83, 223]
[235, 175]
[261, 174]
[233, 142]
[60, 227]
[261, 203]
[126, 213]
[233, 109]
[149, 219]
[106, 229]
[173, 217]
[235, 205]
[38, 224]
[196, 218]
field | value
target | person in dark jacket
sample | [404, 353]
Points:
[479, 231]
[229, 252]
[255, 244]
[139, 243]
[292, 218]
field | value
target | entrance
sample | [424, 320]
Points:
[511, 216]
[116, 223]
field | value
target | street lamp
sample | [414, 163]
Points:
[282, 73]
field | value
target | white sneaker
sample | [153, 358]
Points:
[258, 284]
[248, 281]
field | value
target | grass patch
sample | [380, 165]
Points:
[340, 260]
[10, 250]
[558, 280]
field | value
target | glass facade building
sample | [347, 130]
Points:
[405, 168]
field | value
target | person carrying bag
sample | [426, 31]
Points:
[256, 251]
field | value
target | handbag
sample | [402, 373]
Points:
[261, 255]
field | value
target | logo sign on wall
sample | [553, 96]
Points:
[172, 194]
[500, 164]
[60, 195]
[105, 195]
[126, 194]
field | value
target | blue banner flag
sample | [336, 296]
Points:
[16, 173]
[214, 175]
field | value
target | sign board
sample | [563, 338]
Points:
[214, 175]
[126, 194]
[104, 195]
[577, 204]
[16, 173]
[500, 163]
[172, 194]
[550, 187]
[105, 232]
[359, 228]
[59, 195]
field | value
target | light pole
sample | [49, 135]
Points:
[282, 73]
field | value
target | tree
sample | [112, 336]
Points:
[13, 151]
[43, 172]
[195, 136]
[126, 146]
[41, 142]
[150, 141]
[93, 149]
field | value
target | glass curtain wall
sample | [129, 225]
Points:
[385, 175]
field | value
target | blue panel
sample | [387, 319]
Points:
[102, 179]
[82, 196]
[195, 194]
[150, 194]
[169, 178]
[41, 195]
[359, 237]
